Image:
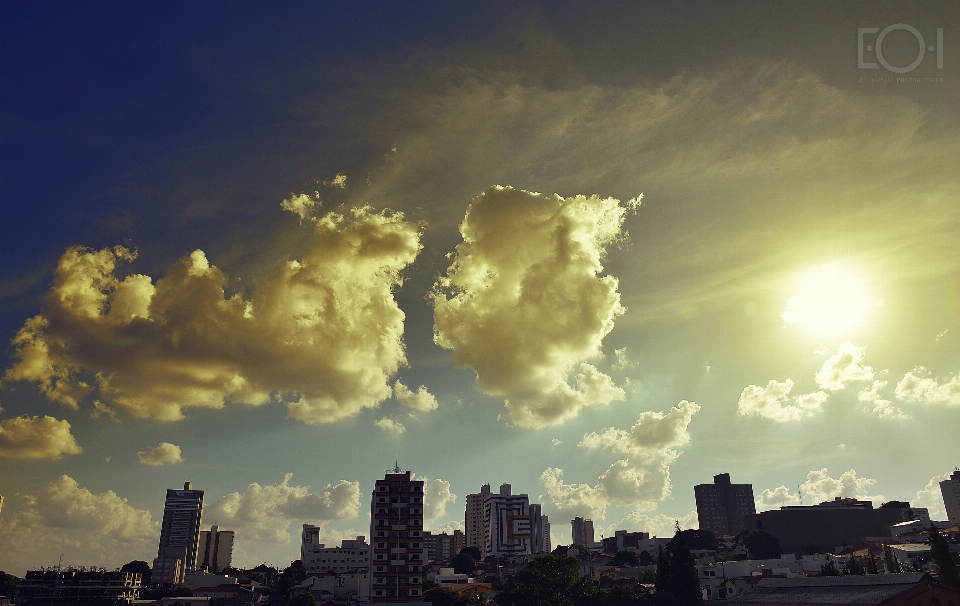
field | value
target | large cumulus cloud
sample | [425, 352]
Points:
[523, 304]
[36, 438]
[642, 476]
[264, 513]
[63, 517]
[323, 331]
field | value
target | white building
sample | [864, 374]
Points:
[582, 532]
[473, 518]
[506, 519]
[353, 555]
[950, 489]
[216, 548]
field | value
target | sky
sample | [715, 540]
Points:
[599, 252]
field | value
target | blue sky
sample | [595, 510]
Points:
[622, 248]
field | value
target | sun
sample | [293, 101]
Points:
[830, 301]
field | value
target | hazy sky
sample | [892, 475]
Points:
[600, 252]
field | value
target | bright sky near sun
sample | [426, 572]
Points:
[600, 252]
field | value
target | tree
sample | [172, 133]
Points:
[473, 552]
[292, 575]
[855, 567]
[138, 566]
[9, 584]
[684, 581]
[550, 580]
[812, 549]
[940, 552]
[763, 545]
[303, 599]
[829, 569]
[625, 557]
[439, 596]
[619, 596]
[560, 550]
[463, 563]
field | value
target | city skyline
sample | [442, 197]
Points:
[601, 254]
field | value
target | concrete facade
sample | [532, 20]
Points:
[721, 506]
[179, 536]
[396, 541]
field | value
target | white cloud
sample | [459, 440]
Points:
[659, 525]
[264, 513]
[391, 426]
[63, 517]
[643, 476]
[523, 303]
[774, 402]
[844, 367]
[436, 496]
[421, 400]
[776, 498]
[324, 330]
[880, 406]
[447, 526]
[819, 487]
[556, 442]
[571, 500]
[163, 453]
[301, 205]
[340, 181]
[36, 438]
[931, 497]
[918, 386]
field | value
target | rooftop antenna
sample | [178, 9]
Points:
[800, 494]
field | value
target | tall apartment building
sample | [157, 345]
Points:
[721, 506]
[442, 547]
[539, 530]
[582, 532]
[950, 489]
[506, 521]
[473, 520]
[179, 536]
[215, 549]
[396, 543]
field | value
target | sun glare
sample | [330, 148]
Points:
[829, 301]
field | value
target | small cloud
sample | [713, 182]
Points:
[422, 400]
[942, 335]
[36, 438]
[556, 442]
[841, 446]
[340, 181]
[822, 350]
[391, 426]
[106, 459]
[301, 205]
[164, 453]
[102, 411]
[844, 367]
[774, 402]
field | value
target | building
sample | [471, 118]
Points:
[473, 519]
[215, 551]
[622, 539]
[950, 489]
[582, 532]
[506, 521]
[396, 538]
[352, 556]
[539, 530]
[442, 547]
[829, 525]
[79, 588]
[909, 589]
[179, 536]
[721, 506]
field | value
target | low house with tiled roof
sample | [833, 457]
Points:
[911, 589]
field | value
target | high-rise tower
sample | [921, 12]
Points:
[179, 536]
[722, 505]
[950, 489]
[396, 544]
